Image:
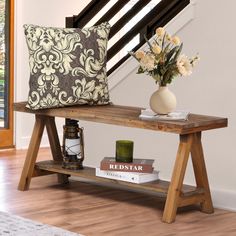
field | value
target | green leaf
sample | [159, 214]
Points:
[163, 41]
[133, 55]
[156, 42]
[157, 78]
[170, 54]
[140, 70]
[157, 58]
[178, 52]
[149, 44]
[167, 48]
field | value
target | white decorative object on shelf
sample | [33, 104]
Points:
[164, 62]
[132, 177]
[163, 101]
[148, 114]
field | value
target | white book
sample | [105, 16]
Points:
[148, 114]
[132, 177]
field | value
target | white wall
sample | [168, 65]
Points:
[46, 13]
[210, 90]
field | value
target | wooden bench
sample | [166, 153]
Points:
[177, 194]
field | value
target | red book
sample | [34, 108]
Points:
[138, 165]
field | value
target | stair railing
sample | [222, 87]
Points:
[159, 15]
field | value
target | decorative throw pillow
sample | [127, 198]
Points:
[67, 66]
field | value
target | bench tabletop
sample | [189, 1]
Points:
[128, 116]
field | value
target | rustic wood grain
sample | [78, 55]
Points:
[201, 173]
[158, 186]
[190, 140]
[98, 210]
[7, 134]
[55, 145]
[32, 153]
[128, 116]
[174, 191]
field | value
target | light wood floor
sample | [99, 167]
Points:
[96, 210]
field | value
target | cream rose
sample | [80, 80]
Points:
[156, 49]
[175, 40]
[148, 62]
[140, 54]
[160, 31]
[184, 65]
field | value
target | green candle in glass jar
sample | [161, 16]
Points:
[124, 150]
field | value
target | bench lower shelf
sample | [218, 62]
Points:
[160, 186]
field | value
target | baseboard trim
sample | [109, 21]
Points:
[23, 142]
[222, 199]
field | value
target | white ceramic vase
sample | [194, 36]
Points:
[163, 101]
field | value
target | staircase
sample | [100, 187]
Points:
[130, 20]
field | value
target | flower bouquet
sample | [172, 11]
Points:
[163, 60]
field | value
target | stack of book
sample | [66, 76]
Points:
[139, 171]
[148, 114]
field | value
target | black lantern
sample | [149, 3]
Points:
[73, 145]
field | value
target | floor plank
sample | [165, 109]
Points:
[99, 210]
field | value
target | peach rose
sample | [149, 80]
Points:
[148, 62]
[160, 31]
[156, 49]
[140, 54]
[184, 65]
[175, 40]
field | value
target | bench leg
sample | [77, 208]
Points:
[174, 191]
[201, 173]
[55, 146]
[32, 153]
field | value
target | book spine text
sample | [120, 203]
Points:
[126, 167]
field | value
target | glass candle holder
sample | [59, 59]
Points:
[124, 150]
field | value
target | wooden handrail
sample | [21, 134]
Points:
[128, 16]
[160, 15]
[113, 10]
[149, 30]
[89, 12]
[171, 10]
[123, 59]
